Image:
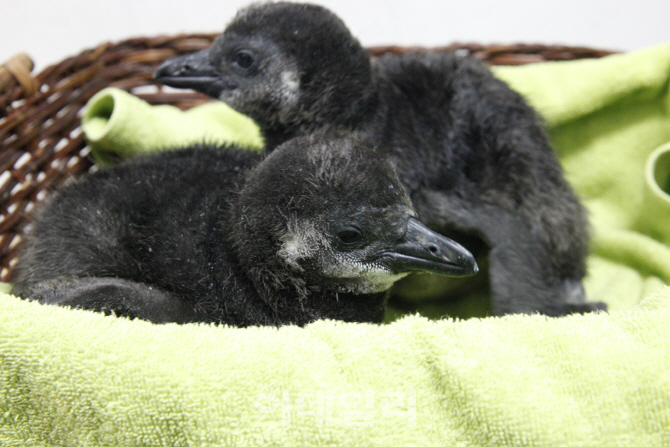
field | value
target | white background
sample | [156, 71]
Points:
[50, 30]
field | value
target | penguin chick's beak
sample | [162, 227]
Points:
[423, 250]
[192, 71]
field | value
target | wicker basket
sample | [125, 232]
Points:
[41, 140]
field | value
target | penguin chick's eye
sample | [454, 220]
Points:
[349, 235]
[244, 59]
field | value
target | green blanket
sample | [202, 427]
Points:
[77, 378]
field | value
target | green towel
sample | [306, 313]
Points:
[78, 378]
[118, 123]
[81, 379]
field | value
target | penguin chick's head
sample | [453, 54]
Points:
[283, 64]
[331, 215]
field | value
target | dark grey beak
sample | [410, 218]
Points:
[192, 71]
[423, 250]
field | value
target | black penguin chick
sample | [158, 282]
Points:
[472, 155]
[320, 229]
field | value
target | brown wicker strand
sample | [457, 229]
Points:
[18, 69]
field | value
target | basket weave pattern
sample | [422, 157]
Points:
[41, 143]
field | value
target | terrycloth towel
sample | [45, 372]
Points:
[81, 379]
[116, 122]
[77, 378]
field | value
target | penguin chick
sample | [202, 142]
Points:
[319, 229]
[472, 155]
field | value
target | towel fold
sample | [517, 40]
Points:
[654, 218]
[71, 377]
[116, 122]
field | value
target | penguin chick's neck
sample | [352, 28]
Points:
[349, 106]
[288, 292]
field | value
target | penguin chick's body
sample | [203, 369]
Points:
[319, 229]
[471, 154]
